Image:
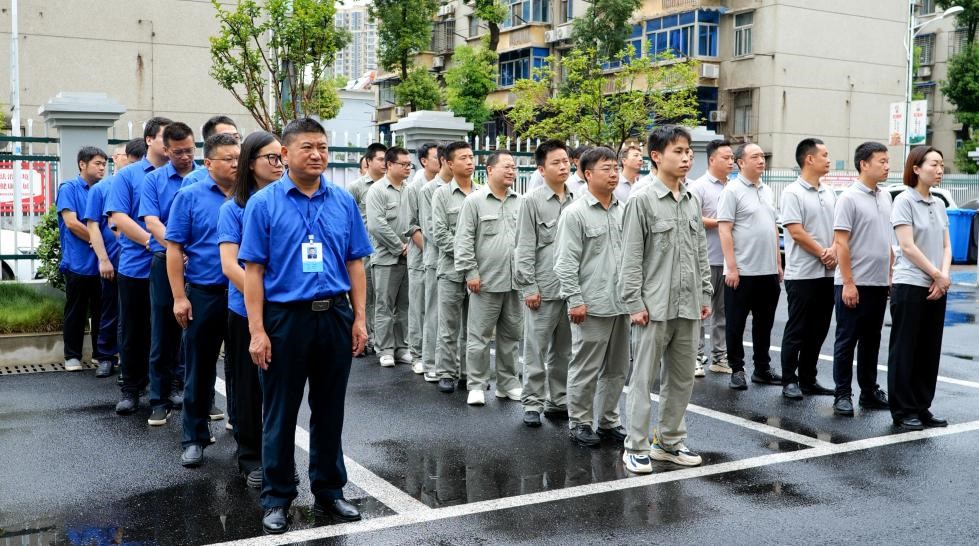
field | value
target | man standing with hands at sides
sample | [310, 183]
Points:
[484, 254]
[302, 324]
[862, 229]
[359, 188]
[665, 284]
[708, 188]
[428, 158]
[388, 225]
[752, 266]
[589, 248]
[810, 261]
[431, 259]
[122, 208]
[631, 160]
[547, 329]
[452, 293]
[201, 309]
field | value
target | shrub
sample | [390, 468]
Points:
[23, 310]
[49, 249]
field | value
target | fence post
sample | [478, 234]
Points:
[424, 126]
[82, 119]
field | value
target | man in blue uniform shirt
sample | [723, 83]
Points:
[79, 264]
[132, 276]
[214, 125]
[301, 322]
[165, 369]
[201, 307]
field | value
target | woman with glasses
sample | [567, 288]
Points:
[918, 292]
[258, 166]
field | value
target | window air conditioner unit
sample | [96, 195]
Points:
[399, 111]
[924, 71]
[438, 61]
[717, 116]
[447, 9]
[710, 71]
[550, 36]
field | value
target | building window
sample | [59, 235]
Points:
[565, 10]
[473, 26]
[742, 33]
[693, 33]
[959, 42]
[385, 94]
[527, 11]
[926, 6]
[519, 64]
[443, 35]
[742, 112]
[926, 44]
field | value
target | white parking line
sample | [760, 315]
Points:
[388, 522]
[371, 483]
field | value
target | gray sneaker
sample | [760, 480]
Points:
[738, 382]
[73, 365]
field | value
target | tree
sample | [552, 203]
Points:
[469, 81]
[604, 27]
[602, 107]
[962, 90]
[494, 13]
[969, 18]
[285, 45]
[419, 89]
[404, 29]
[326, 101]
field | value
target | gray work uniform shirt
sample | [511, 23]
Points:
[866, 215]
[708, 190]
[664, 267]
[446, 206]
[388, 221]
[813, 208]
[413, 197]
[752, 211]
[534, 250]
[431, 255]
[589, 247]
[358, 189]
[929, 223]
[484, 239]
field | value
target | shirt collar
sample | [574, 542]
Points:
[917, 196]
[592, 200]
[568, 194]
[863, 188]
[172, 173]
[509, 193]
[808, 186]
[747, 182]
[288, 185]
[662, 191]
[455, 186]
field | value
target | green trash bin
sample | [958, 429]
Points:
[959, 229]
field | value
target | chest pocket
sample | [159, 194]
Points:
[452, 218]
[595, 238]
[663, 235]
[391, 211]
[546, 232]
[489, 226]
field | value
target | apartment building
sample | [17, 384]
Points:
[360, 55]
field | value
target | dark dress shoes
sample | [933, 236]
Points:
[447, 385]
[616, 434]
[105, 369]
[276, 520]
[908, 424]
[874, 400]
[531, 418]
[815, 389]
[766, 377]
[792, 391]
[930, 421]
[128, 405]
[583, 435]
[843, 406]
[338, 508]
[192, 456]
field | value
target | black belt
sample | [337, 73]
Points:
[320, 305]
[210, 288]
[161, 255]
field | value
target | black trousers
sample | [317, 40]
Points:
[305, 345]
[202, 341]
[757, 295]
[134, 332]
[915, 348]
[166, 370]
[810, 312]
[858, 329]
[107, 346]
[83, 302]
[244, 392]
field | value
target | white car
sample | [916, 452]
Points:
[941, 193]
[16, 243]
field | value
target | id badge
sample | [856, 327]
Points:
[312, 255]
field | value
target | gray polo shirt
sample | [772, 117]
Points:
[534, 250]
[708, 190]
[446, 206]
[431, 255]
[803, 203]
[623, 191]
[752, 211]
[929, 222]
[387, 221]
[412, 196]
[484, 239]
[589, 251]
[866, 215]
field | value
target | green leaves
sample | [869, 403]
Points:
[469, 81]
[404, 29]
[49, 249]
[419, 90]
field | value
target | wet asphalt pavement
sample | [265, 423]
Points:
[427, 468]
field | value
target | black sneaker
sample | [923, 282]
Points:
[215, 413]
[766, 377]
[128, 405]
[159, 416]
[254, 478]
[555, 412]
[616, 433]
[874, 400]
[792, 391]
[583, 435]
[447, 385]
[843, 405]
[737, 381]
[531, 418]
[105, 369]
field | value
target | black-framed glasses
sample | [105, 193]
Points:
[273, 159]
[405, 164]
[182, 152]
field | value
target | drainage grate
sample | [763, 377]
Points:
[17, 369]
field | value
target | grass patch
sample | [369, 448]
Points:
[24, 310]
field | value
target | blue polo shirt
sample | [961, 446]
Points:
[95, 212]
[193, 223]
[199, 173]
[278, 220]
[158, 192]
[134, 260]
[229, 231]
[77, 255]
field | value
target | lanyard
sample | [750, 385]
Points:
[316, 217]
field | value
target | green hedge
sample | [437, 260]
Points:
[24, 310]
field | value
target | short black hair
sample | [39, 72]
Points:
[806, 147]
[211, 124]
[739, 151]
[153, 126]
[176, 131]
[136, 148]
[715, 145]
[301, 126]
[87, 153]
[593, 156]
[392, 153]
[866, 151]
[548, 146]
[441, 152]
[425, 148]
[495, 157]
[453, 147]
[372, 150]
[664, 135]
[216, 141]
[576, 153]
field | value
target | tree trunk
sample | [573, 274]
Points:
[494, 32]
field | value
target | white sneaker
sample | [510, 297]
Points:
[418, 367]
[512, 394]
[678, 454]
[405, 359]
[387, 361]
[637, 463]
[720, 366]
[698, 370]
[228, 425]
[73, 365]
[431, 377]
[476, 398]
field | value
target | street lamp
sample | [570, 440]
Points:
[915, 27]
